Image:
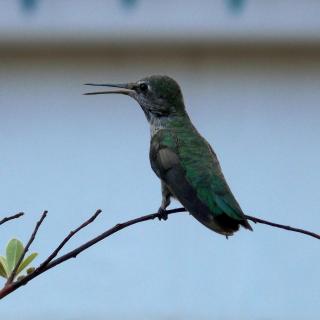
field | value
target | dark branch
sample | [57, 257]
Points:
[67, 238]
[10, 287]
[281, 226]
[32, 237]
[50, 263]
[106, 234]
[15, 216]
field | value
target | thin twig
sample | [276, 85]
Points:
[15, 216]
[32, 237]
[108, 233]
[284, 227]
[67, 238]
[73, 253]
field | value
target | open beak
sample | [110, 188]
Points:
[124, 88]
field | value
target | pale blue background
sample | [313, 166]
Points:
[72, 154]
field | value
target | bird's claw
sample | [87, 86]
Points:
[162, 214]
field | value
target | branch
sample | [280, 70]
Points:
[11, 286]
[67, 238]
[281, 226]
[50, 262]
[15, 216]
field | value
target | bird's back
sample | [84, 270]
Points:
[184, 160]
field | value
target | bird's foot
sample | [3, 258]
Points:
[162, 214]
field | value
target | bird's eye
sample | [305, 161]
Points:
[143, 87]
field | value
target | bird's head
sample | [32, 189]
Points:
[158, 96]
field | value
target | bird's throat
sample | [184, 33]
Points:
[157, 123]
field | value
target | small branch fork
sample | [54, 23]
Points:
[52, 261]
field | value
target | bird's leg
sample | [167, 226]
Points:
[166, 194]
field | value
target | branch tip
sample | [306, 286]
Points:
[15, 216]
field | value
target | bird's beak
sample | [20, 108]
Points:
[124, 88]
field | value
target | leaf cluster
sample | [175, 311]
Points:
[14, 250]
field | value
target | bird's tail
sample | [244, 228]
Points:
[230, 225]
[246, 224]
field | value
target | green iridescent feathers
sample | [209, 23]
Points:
[201, 166]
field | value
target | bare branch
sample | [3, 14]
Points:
[32, 237]
[15, 216]
[10, 287]
[67, 238]
[50, 262]
[284, 227]
[106, 234]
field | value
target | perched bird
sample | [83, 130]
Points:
[184, 161]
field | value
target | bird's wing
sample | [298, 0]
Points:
[204, 173]
[166, 163]
[189, 166]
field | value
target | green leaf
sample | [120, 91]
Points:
[26, 262]
[3, 267]
[14, 251]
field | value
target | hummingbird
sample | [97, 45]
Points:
[184, 161]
